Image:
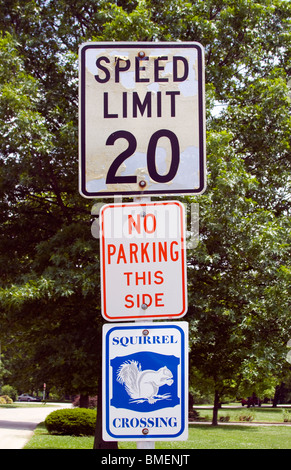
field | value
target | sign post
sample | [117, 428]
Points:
[142, 119]
[142, 134]
[145, 367]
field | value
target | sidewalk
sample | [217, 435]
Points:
[17, 424]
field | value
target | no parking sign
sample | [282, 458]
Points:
[143, 261]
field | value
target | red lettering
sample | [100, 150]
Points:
[146, 278]
[143, 252]
[154, 252]
[149, 277]
[121, 254]
[128, 298]
[146, 225]
[132, 222]
[174, 255]
[154, 223]
[127, 278]
[158, 277]
[147, 299]
[111, 251]
[158, 299]
[163, 251]
[133, 248]
[140, 278]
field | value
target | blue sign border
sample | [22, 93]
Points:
[107, 395]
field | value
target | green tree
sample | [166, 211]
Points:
[46, 248]
[239, 278]
[240, 300]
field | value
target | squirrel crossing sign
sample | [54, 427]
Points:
[145, 370]
[141, 119]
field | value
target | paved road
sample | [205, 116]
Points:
[17, 424]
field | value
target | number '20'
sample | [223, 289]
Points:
[113, 178]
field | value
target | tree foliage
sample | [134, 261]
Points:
[239, 275]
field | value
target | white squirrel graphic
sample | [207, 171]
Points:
[144, 385]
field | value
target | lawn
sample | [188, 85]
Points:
[201, 436]
[257, 414]
[41, 439]
[24, 404]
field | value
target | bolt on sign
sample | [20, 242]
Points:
[143, 261]
[145, 386]
[141, 119]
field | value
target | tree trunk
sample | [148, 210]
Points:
[277, 395]
[98, 441]
[84, 401]
[215, 409]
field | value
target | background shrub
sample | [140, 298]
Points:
[10, 391]
[74, 422]
[5, 400]
[194, 415]
[286, 416]
[224, 419]
[246, 416]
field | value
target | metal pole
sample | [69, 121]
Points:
[144, 444]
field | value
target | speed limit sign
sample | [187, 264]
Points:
[141, 119]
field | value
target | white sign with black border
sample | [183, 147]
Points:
[141, 119]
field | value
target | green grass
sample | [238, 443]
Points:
[228, 437]
[201, 436]
[25, 405]
[41, 439]
[259, 414]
